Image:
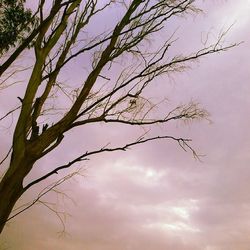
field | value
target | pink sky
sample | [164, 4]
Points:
[156, 196]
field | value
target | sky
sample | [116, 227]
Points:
[157, 196]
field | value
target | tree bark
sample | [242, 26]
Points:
[11, 189]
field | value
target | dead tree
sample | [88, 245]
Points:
[61, 36]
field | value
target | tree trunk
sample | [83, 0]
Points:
[11, 189]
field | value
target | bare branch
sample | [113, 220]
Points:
[44, 192]
[10, 112]
[181, 141]
[6, 156]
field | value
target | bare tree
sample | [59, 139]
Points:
[62, 35]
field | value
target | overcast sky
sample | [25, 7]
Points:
[156, 196]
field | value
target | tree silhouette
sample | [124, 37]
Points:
[61, 35]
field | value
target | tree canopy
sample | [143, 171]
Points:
[15, 22]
